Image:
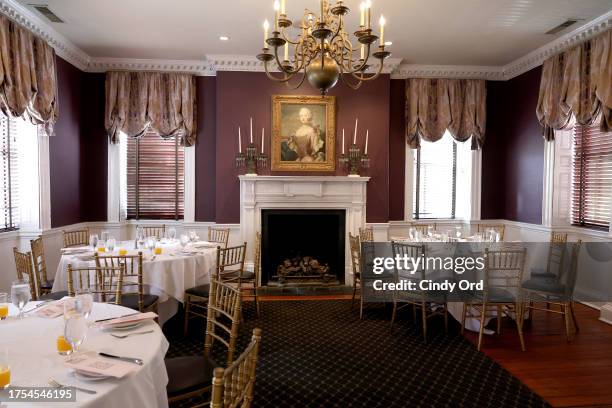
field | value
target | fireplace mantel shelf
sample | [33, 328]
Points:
[299, 179]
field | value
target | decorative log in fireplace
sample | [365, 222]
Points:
[303, 270]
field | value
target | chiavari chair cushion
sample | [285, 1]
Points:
[188, 374]
[201, 291]
[54, 295]
[497, 295]
[131, 300]
[542, 274]
[47, 285]
[551, 287]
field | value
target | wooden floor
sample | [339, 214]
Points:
[576, 374]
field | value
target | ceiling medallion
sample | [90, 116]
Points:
[322, 51]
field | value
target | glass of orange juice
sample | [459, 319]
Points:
[158, 250]
[122, 251]
[3, 306]
[63, 347]
[5, 371]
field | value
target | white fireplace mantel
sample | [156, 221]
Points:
[301, 192]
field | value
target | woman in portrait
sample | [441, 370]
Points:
[306, 144]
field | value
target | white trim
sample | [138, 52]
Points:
[549, 182]
[190, 176]
[44, 179]
[213, 63]
[114, 183]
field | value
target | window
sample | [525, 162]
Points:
[19, 195]
[591, 177]
[153, 177]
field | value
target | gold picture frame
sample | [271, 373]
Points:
[303, 133]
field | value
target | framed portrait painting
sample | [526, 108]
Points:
[303, 133]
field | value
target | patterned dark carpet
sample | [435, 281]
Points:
[319, 354]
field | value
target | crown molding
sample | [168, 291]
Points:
[30, 20]
[196, 67]
[537, 57]
[211, 64]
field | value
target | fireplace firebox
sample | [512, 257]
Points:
[302, 247]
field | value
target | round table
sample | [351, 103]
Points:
[33, 358]
[166, 275]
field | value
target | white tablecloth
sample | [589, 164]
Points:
[167, 274]
[33, 358]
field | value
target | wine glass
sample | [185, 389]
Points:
[171, 233]
[412, 233]
[110, 244]
[184, 240]
[84, 302]
[458, 231]
[192, 235]
[151, 241]
[104, 235]
[93, 241]
[430, 231]
[75, 331]
[20, 294]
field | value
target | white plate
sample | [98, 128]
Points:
[124, 326]
[87, 376]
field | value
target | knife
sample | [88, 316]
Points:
[127, 359]
[38, 306]
[118, 317]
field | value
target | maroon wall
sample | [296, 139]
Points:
[206, 88]
[513, 155]
[242, 95]
[65, 149]
[397, 148]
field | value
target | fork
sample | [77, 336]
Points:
[55, 384]
[123, 336]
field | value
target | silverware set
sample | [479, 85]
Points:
[54, 383]
[123, 336]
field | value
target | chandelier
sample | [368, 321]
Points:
[322, 51]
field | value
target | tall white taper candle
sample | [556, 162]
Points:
[366, 146]
[342, 140]
[263, 134]
[355, 135]
[251, 130]
[239, 141]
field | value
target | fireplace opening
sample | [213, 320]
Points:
[302, 247]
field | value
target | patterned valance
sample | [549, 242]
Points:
[577, 82]
[436, 105]
[140, 101]
[28, 82]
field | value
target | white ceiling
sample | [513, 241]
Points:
[453, 32]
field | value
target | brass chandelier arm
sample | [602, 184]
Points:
[300, 82]
[285, 78]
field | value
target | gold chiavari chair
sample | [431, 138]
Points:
[23, 265]
[157, 231]
[104, 283]
[558, 292]
[424, 228]
[132, 277]
[355, 248]
[425, 300]
[499, 228]
[235, 385]
[76, 238]
[251, 278]
[503, 274]
[366, 234]
[43, 284]
[230, 269]
[192, 375]
[219, 236]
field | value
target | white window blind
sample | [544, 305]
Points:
[435, 179]
[155, 177]
[9, 190]
[591, 177]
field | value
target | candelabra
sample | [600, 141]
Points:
[251, 160]
[355, 161]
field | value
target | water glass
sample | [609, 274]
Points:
[5, 369]
[3, 305]
[93, 241]
[458, 231]
[110, 244]
[104, 236]
[20, 295]
[70, 308]
[75, 331]
[172, 233]
[184, 240]
[84, 302]
[430, 231]
[192, 235]
[412, 233]
[151, 241]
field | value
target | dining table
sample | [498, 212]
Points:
[34, 360]
[166, 274]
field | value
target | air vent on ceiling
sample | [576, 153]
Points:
[45, 11]
[568, 23]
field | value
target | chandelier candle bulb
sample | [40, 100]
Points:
[322, 11]
[362, 51]
[276, 12]
[368, 11]
[362, 14]
[382, 30]
[266, 27]
[282, 7]
[287, 51]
